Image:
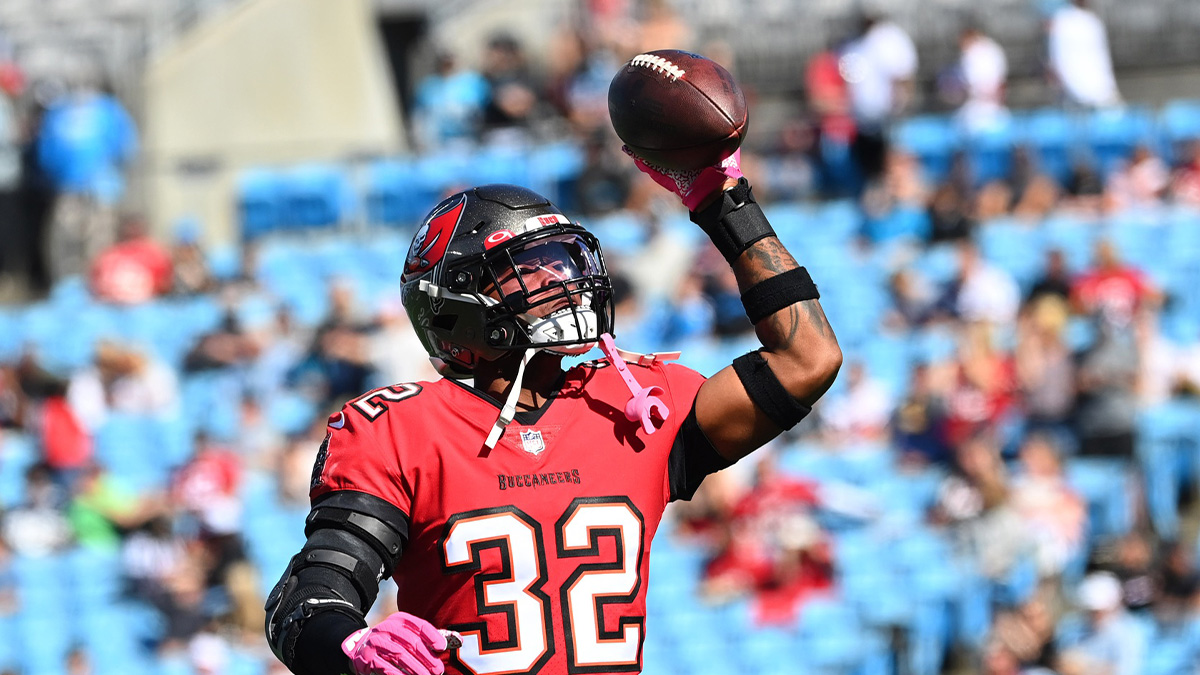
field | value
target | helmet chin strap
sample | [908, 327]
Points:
[510, 404]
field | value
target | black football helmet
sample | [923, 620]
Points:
[498, 268]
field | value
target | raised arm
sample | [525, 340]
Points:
[766, 391]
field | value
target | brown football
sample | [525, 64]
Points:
[677, 109]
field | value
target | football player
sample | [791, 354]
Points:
[515, 511]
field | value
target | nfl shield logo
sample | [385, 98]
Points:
[532, 442]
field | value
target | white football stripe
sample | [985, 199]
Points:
[658, 64]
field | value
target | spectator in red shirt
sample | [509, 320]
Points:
[133, 270]
[1113, 289]
[772, 548]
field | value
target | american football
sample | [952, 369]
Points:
[677, 109]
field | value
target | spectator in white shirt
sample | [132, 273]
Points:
[879, 66]
[862, 411]
[983, 68]
[984, 292]
[1080, 58]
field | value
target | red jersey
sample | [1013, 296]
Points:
[537, 552]
[1117, 292]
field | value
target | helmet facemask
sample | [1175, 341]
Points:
[552, 288]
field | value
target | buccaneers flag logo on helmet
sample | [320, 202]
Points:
[429, 244]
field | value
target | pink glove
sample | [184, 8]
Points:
[401, 644]
[691, 186]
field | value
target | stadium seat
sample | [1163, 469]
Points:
[1139, 237]
[1014, 247]
[1104, 485]
[901, 223]
[1179, 122]
[500, 164]
[260, 202]
[1112, 134]
[553, 170]
[388, 196]
[932, 138]
[317, 195]
[989, 151]
[1053, 136]
[1168, 441]
[1075, 237]
[829, 633]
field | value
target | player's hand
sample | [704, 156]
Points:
[401, 644]
[695, 188]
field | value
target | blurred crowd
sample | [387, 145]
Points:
[995, 417]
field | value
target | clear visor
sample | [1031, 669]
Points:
[543, 266]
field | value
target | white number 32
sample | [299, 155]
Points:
[516, 588]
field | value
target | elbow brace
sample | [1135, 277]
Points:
[766, 391]
[354, 540]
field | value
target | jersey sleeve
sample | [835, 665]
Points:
[692, 455]
[360, 454]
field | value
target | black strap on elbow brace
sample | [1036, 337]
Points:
[782, 290]
[378, 523]
[767, 392]
[734, 222]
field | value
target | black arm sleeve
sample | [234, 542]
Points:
[692, 458]
[319, 649]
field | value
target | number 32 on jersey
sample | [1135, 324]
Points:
[516, 589]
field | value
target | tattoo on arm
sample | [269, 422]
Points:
[765, 259]
[816, 317]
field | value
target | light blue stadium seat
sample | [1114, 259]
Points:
[932, 138]
[1178, 123]
[1016, 248]
[1169, 657]
[388, 196]
[1168, 440]
[1104, 484]
[1052, 135]
[500, 164]
[290, 412]
[901, 223]
[242, 662]
[990, 151]
[43, 643]
[622, 232]
[17, 452]
[260, 202]
[765, 650]
[11, 335]
[1112, 134]
[830, 633]
[1076, 238]
[318, 195]
[8, 642]
[1139, 238]
[553, 170]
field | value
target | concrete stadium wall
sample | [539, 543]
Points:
[270, 82]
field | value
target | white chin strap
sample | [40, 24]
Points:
[576, 325]
[510, 404]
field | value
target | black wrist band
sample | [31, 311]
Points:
[734, 222]
[782, 290]
[767, 392]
